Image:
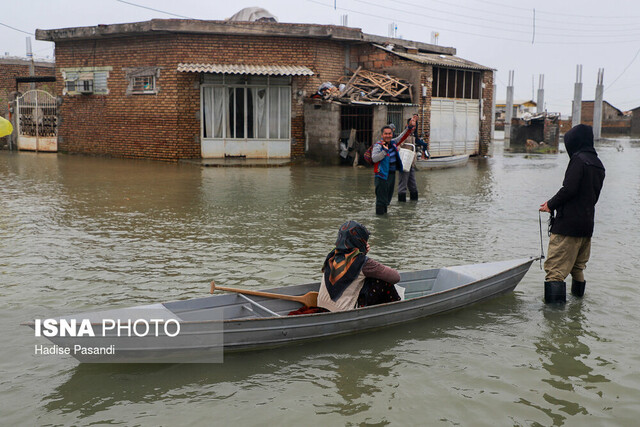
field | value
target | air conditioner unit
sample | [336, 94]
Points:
[84, 86]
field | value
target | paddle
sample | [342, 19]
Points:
[310, 299]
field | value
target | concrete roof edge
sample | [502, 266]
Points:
[425, 47]
[202, 27]
[195, 26]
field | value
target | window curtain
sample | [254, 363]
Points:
[208, 112]
[218, 111]
[260, 111]
[213, 111]
[274, 93]
[285, 110]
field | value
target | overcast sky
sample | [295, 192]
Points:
[497, 33]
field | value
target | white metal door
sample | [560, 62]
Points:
[455, 127]
[37, 121]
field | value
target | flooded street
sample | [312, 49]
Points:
[80, 233]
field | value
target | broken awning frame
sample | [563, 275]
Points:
[264, 70]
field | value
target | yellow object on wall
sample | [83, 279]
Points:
[5, 127]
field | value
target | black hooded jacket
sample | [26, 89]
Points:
[574, 204]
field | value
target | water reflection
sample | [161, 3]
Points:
[344, 376]
[563, 350]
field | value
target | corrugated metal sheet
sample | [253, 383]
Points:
[264, 70]
[437, 59]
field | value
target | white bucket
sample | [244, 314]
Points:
[407, 156]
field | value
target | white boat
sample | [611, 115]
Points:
[443, 162]
[212, 325]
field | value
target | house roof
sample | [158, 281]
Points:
[443, 60]
[264, 70]
[193, 26]
[608, 103]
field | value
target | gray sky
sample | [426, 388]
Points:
[496, 33]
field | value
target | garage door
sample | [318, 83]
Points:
[455, 127]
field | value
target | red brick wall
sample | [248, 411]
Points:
[487, 103]
[166, 126]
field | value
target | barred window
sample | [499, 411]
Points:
[142, 80]
[451, 83]
[78, 81]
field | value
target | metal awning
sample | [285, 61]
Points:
[263, 70]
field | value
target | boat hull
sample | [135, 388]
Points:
[215, 325]
[444, 162]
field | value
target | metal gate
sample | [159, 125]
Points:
[455, 127]
[37, 121]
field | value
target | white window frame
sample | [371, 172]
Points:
[247, 86]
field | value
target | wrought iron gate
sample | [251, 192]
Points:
[37, 121]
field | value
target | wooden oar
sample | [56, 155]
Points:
[310, 299]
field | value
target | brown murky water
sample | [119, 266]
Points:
[78, 234]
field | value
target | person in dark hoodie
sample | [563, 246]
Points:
[572, 212]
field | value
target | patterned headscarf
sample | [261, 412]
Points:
[344, 263]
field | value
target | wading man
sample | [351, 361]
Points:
[572, 224]
[385, 163]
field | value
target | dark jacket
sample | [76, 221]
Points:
[574, 204]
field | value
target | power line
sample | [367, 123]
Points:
[387, 17]
[556, 13]
[625, 69]
[525, 18]
[590, 32]
[16, 29]
[155, 10]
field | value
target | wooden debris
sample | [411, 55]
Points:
[366, 85]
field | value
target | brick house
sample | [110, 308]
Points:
[614, 122]
[173, 89]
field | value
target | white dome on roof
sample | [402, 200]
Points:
[252, 14]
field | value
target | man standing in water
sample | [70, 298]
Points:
[385, 163]
[574, 207]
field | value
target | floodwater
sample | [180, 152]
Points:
[80, 233]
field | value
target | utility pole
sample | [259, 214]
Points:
[493, 113]
[32, 70]
[597, 106]
[509, 111]
[540, 106]
[576, 112]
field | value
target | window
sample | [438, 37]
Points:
[142, 80]
[143, 83]
[394, 115]
[451, 83]
[246, 107]
[86, 80]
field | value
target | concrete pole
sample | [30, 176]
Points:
[32, 71]
[509, 111]
[493, 114]
[597, 106]
[576, 111]
[540, 107]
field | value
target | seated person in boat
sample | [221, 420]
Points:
[350, 279]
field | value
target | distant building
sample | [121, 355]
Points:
[614, 121]
[520, 109]
[635, 122]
